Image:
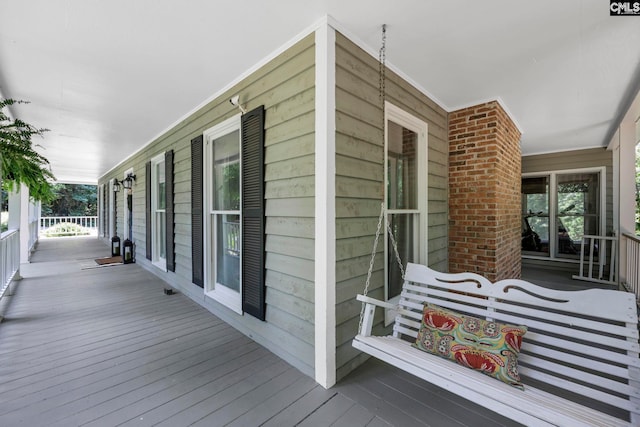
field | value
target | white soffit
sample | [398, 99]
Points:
[108, 77]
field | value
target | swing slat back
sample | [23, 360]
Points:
[581, 347]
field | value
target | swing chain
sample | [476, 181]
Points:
[395, 249]
[394, 243]
[382, 81]
[382, 59]
[373, 252]
[373, 258]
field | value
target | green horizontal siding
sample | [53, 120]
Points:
[286, 87]
[359, 182]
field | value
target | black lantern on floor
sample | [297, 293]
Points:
[127, 251]
[115, 246]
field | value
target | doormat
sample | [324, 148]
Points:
[109, 260]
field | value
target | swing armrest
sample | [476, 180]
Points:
[369, 311]
[376, 302]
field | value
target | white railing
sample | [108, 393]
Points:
[231, 238]
[9, 258]
[631, 280]
[33, 234]
[68, 225]
[596, 253]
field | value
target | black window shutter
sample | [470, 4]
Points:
[197, 268]
[253, 219]
[168, 176]
[147, 204]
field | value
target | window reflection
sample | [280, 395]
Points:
[402, 195]
[576, 213]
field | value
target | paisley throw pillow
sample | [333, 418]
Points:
[489, 347]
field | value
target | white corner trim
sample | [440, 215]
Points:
[325, 208]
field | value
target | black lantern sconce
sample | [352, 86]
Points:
[128, 250]
[128, 181]
[115, 240]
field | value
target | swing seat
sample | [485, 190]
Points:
[579, 359]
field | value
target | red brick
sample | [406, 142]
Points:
[484, 202]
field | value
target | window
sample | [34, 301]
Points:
[228, 213]
[223, 214]
[535, 215]
[158, 212]
[572, 201]
[405, 193]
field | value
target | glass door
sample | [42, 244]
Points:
[578, 212]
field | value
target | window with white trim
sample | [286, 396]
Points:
[405, 193]
[572, 200]
[158, 212]
[222, 192]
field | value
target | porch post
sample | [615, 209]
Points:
[623, 145]
[19, 220]
[14, 209]
[325, 210]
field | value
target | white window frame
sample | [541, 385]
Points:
[222, 294]
[156, 260]
[553, 199]
[421, 128]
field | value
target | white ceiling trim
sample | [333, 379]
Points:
[325, 20]
[560, 150]
[374, 53]
[304, 33]
[371, 51]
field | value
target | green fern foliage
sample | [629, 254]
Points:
[21, 163]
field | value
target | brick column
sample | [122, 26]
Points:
[484, 192]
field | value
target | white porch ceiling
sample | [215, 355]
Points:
[108, 76]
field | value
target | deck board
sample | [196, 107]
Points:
[104, 346]
[299, 409]
[330, 412]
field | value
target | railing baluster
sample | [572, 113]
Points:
[632, 268]
[65, 223]
[602, 259]
[9, 259]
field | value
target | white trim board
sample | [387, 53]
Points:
[329, 21]
[325, 208]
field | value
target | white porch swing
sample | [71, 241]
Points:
[579, 358]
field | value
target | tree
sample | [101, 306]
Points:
[72, 200]
[20, 163]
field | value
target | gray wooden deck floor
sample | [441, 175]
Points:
[82, 345]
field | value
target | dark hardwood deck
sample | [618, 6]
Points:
[103, 346]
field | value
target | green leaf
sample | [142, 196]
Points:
[19, 162]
